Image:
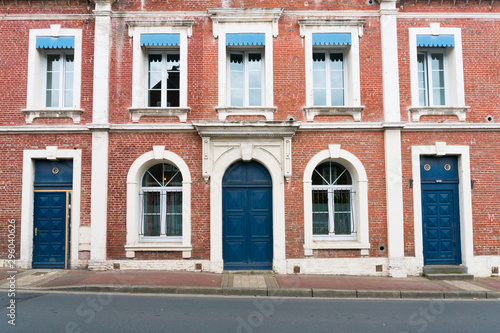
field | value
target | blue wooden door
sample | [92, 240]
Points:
[51, 229]
[440, 211]
[247, 217]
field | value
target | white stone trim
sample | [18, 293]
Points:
[227, 157]
[139, 64]
[74, 114]
[338, 266]
[459, 112]
[394, 202]
[134, 178]
[455, 82]
[465, 197]
[353, 111]
[390, 69]
[180, 113]
[352, 70]
[27, 201]
[34, 96]
[360, 180]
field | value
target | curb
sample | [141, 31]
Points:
[272, 292]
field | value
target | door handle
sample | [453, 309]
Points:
[35, 231]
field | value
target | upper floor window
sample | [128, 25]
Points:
[54, 73]
[328, 78]
[163, 79]
[161, 193]
[332, 196]
[245, 41]
[159, 74]
[332, 67]
[246, 69]
[436, 72]
[59, 72]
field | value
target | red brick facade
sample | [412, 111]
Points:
[128, 141]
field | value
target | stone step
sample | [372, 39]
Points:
[444, 269]
[450, 276]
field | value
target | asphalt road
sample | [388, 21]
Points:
[64, 312]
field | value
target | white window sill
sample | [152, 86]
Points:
[224, 112]
[336, 245]
[313, 111]
[458, 111]
[31, 114]
[179, 112]
[174, 247]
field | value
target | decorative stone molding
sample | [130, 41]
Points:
[174, 247]
[74, 114]
[224, 112]
[313, 111]
[178, 112]
[161, 23]
[242, 15]
[272, 138]
[460, 112]
[331, 22]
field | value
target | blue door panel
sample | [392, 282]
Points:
[247, 217]
[50, 235]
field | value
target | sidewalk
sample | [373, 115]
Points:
[245, 284]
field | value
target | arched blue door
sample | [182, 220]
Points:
[247, 217]
[440, 210]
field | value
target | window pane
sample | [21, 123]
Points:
[319, 78]
[173, 80]
[152, 219]
[422, 79]
[68, 80]
[331, 173]
[438, 89]
[153, 177]
[342, 209]
[320, 212]
[337, 79]
[53, 80]
[154, 80]
[171, 175]
[236, 79]
[174, 213]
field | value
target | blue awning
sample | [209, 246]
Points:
[334, 38]
[55, 42]
[435, 41]
[245, 39]
[160, 40]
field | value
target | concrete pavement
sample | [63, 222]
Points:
[246, 284]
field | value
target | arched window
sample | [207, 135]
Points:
[161, 203]
[332, 202]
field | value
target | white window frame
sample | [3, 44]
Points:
[331, 212]
[140, 106]
[455, 96]
[134, 212]
[328, 51]
[163, 207]
[62, 76]
[359, 209]
[246, 89]
[429, 88]
[163, 52]
[352, 83]
[226, 21]
[35, 101]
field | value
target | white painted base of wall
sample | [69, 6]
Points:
[338, 266]
[481, 266]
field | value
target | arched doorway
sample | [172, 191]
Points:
[247, 218]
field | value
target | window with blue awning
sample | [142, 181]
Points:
[334, 38]
[435, 41]
[245, 39]
[160, 40]
[67, 42]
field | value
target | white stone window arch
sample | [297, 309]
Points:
[134, 179]
[359, 239]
